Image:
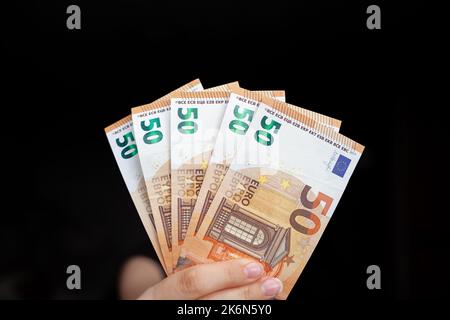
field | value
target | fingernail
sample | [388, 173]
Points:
[253, 270]
[272, 287]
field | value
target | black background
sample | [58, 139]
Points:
[64, 201]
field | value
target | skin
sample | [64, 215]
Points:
[239, 279]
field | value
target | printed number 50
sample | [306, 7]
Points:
[188, 126]
[265, 137]
[239, 126]
[309, 215]
[152, 136]
[129, 150]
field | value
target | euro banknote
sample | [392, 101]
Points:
[195, 120]
[234, 125]
[152, 132]
[152, 123]
[123, 145]
[275, 202]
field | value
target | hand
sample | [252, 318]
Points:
[232, 279]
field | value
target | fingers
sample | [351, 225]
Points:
[201, 280]
[264, 289]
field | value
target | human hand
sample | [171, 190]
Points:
[233, 279]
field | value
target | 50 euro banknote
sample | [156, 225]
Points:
[274, 206]
[123, 145]
[235, 123]
[152, 132]
[195, 121]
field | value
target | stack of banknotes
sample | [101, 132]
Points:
[227, 173]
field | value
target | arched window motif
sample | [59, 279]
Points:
[259, 239]
[245, 232]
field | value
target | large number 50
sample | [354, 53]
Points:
[239, 126]
[308, 214]
[265, 137]
[128, 151]
[152, 136]
[187, 127]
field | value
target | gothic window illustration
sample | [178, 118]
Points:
[245, 232]
[185, 208]
[242, 230]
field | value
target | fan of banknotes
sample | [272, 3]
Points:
[227, 173]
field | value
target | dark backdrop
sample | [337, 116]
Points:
[64, 201]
